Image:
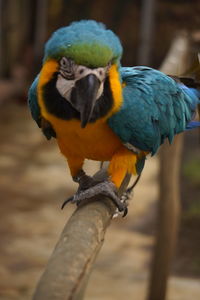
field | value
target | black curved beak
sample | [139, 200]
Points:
[84, 97]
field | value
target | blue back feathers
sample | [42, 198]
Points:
[155, 107]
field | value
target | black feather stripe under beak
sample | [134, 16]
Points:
[84, 97]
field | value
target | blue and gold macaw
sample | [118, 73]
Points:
[98, 110]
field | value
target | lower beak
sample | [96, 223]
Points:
[84, 97]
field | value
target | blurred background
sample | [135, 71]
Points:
[34, 178]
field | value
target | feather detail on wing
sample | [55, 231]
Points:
[155, 107]
[33, 102]
[35, 111]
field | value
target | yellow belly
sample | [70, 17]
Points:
[96, 141]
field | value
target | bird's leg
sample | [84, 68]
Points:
[105, 188]
[123, 162]
[85, 182]
[89, 187]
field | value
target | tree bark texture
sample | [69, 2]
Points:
[168, 218]
[176, 62]
[70, 265]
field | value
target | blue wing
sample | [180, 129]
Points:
[33, 102]
[155, 107]
[35, 111]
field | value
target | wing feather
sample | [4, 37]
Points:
[155, 107]
[33, 102]
[35, 111]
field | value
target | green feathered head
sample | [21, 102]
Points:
[86, 42]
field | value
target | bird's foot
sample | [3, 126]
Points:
[106, 188]
[85, 182]
[125, 197]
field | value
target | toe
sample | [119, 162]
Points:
[67, 201]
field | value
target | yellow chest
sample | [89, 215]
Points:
[96, 141]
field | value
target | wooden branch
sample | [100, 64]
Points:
[175, 63]
[168, 217]
[70, 265]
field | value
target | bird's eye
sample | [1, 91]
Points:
[102, 72]
[67, 68]
[81, 71]
[65, 63]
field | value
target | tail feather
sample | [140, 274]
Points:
[192, 125]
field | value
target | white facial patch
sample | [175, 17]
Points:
[65, 83]
[65, 86]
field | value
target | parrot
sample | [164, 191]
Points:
[98, 110]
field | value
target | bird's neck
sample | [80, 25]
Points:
[116, 89]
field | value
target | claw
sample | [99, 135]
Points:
[106, 188]
[67, 201]
[120, 205]
[125, 212]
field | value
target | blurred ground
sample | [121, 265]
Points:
[34, 181]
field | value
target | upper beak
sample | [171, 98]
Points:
[84, 97]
